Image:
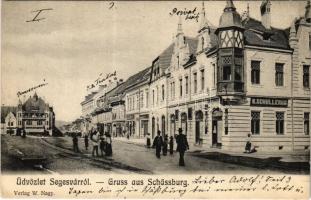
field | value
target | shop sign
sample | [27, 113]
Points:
[272, 102]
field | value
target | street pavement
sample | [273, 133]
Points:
[126, 158]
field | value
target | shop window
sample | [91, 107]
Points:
[226, 73]
[255, 122]
[255, 73]
[279, 123]
[279, 74]
[306, 76]
[306, 123]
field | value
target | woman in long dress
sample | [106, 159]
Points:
[108, 145]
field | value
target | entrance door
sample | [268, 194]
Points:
[217, 128]
[214, 133]
[198, 130]
[153, 127]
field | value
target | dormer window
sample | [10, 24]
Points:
[184, 40]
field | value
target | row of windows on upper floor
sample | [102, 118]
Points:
[279, 74]
[279, 123]
[184, 83]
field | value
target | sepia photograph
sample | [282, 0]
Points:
[156, 89]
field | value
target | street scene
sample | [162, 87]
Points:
[200, 87]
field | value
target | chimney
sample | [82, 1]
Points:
[265, 13]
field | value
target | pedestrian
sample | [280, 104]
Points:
[171, 145]
[182, 146]
[165, 143]
[86, 141]
[102, 145]
[75, 143]
[248, 144]
[23, 133]
[148, 140]
[157, 144]
[108, 145]
[95, 140]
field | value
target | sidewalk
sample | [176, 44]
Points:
[258, 159]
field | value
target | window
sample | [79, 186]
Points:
[255, 122]
[306, 76]
[19, 123]
[186, 84]
[39, 122]
[11, 123]
[147, 99]
[152, 97]
[180, 87]
[28, 122]
[306, 123]
[195, 82]
[279, 74]
[178, 61]
[214, 75]
[202, 80]
[163, 92]
[310, 41]
[255, 73]
[226, 73]
[279, 123]
[238, 73]
[141, 100]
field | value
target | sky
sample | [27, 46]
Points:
[78, 40]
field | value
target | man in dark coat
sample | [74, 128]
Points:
[182, 146]
[165, 143]
[158, 143]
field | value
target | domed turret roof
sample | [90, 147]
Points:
[230, 16]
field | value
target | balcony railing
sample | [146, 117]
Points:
[230, 87]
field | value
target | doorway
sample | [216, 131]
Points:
[216, 127]
[198, 129]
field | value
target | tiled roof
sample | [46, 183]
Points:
[35, 104]
[165, 57]
[278, 38]
[88, 97]
[5, 110]
[140, 77]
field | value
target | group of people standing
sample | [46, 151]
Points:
[161, 144]
[99, 141]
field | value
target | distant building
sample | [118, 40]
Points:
[35, 116]
[8, 119]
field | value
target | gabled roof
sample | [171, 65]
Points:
[89, 97]
[137, 78]
[166, 56]
[35, 104]
[5, 110]
[254, 32]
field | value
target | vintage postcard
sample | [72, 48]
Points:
[155, 99]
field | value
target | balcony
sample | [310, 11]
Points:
[230, 88]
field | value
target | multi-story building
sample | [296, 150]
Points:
[8, 119]
[137, 103]
[35, 116]
[244, 78]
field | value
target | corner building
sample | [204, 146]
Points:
[245, 77]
